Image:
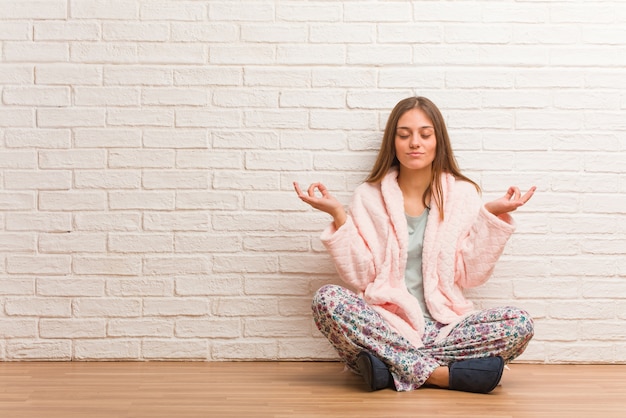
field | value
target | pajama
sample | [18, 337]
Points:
[351, 325]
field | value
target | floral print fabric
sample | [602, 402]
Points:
[351, 326]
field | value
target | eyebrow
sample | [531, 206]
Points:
[420, 127]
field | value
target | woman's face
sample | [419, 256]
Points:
[415, 141]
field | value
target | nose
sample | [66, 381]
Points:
[414, 141]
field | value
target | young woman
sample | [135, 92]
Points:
[416, 235]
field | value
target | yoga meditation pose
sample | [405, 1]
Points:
[415, 236]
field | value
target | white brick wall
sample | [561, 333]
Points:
[147, 150]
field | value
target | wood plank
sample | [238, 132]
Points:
[292, 389]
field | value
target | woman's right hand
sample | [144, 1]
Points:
[326, 203]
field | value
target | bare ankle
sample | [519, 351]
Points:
[439, 377]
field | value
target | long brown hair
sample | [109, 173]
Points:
[444, 161]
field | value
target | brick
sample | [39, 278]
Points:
[252, 98]
[245, 307]
[140, 287]
[106, 265]
[100, 53]
[140, 117]
[103, 9]
[208, 159]
[207, 201]
[172, 10]
[342, 33]
[245, 222]
[65, 243]
[215, 286]
[106, 349]
[41, 221]
[207, 118]
[16, 73]
[187, 179]
[150, 327]
[204, 32]
[109, 179]
[17, 286]
[301, 349]
[175, 138]
[174, 97]
[371, 55]
[296, 119]
[241, 11]
[245, 263]
[59, 350]
[159, 53]
[245, 350]
[38, 138]
[268, 160]
[18, 328]
[15, 31]
[209, 244]
[66, 31]
[328, 141]
[71, 287]
[306, 99]
[72, 328]
[184, 221]
[411, 33]
[64, 74]
[242, 54]
[29, 180]
[39, 264]
[106, 307]
[282, 327]
[175, 349]
[229, 180]
[72, 201]
[107, 221]
[245, 140]
[277, 77]
[140, 243]
[106, 96]
[126, 31]
[18, 118]
[125, 200]
[36, 51]
[288, 286]
[70, 117]
[40, 307]
[161, 265]
[327, 54]
[175, 307]
[146, 158]
[208, 76]
[314, 12]
[208, 328]
[36, 96]
[279, 33]
[129, 75]
[308, 264]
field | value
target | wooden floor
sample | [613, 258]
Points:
[292, 389]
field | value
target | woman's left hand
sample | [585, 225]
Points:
[510, 201]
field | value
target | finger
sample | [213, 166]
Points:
[312, 188]
[516, 193]
[323, 190]
[528, 194]
[297, 187]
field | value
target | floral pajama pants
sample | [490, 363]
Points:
[351, 325]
